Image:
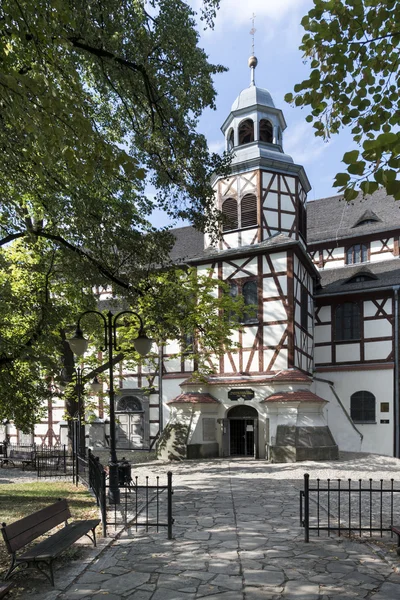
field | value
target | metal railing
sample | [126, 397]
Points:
[54, 462]
[348, 506]
[145, 505]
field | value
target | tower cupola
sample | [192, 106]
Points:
[254, 126]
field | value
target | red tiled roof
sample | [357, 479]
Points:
[299, 396]
[293, 375]
[194, 398]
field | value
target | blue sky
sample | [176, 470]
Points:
[280, 67]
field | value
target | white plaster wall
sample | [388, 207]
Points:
[377, 350]
[232, 239]
[322, 333]
[370, 308]
[291, 182]
[170, 390]
[271, 201]
[380, 257]
[249, 336]
[287, 220]
[283, 283]
[348, 352]
[325, 313]
[286, 203]
[266, 178]
[279, 261]
[378, 438]
[274, 311]
[269, 288]
[323, 354]
[281, 361]
[228, 364]
[272, 219]
[248, 236]
[273, 334]
[340, 425]
[377, 328]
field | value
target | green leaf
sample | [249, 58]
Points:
[350, 157]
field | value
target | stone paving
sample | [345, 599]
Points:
[236, 537]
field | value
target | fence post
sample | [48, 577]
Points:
[170, 492]
[103, 506]
[306, 507]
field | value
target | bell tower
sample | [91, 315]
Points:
[266, 192]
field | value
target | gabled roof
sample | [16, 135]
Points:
[299, 396]
[289, 376]
[194, 398]
[385, 273]
[333, 218]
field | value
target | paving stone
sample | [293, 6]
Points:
[263, 577]
[124, 583]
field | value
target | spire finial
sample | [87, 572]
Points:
[252, 60]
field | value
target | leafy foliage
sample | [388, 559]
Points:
[97, 100]
[352, 47]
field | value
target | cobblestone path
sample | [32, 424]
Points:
[237, 537]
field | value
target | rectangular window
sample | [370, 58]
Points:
[347, 322]
[304, 308]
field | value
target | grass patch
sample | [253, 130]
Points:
[19, 500]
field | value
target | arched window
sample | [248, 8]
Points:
[266, 131]
[248, 211]
[129, 404]
[357, 254]
[249, 292]
[347, 321]
[362, 407]
[230, 214]
[231, 141]
[246, 132]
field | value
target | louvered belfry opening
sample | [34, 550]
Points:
[230, 214]
[266, 131]
[248, 210]
[246, 132]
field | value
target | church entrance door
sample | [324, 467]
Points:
[129, 432]
[243, 431]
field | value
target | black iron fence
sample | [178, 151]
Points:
[348, 506]
[147, 505]
[54, 461]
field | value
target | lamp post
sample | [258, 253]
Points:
[79, 346]
[96, 387]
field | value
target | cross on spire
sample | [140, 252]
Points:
[252, 60]
[252, 32]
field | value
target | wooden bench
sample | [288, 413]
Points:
[25, 457]
[19, 534]
[396, 530]
[5, 588]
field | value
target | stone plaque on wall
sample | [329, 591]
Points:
[241, 394]
[208, 429]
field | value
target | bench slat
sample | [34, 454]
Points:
[59, 541]
[22, 532]
[5, 588]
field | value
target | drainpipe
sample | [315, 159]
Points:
[396, 407]
[160, 389]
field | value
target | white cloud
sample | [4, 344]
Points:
[302, 145]
[217, 146]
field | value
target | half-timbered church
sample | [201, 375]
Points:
[316, 367]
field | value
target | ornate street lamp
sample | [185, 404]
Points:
[79, 345]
